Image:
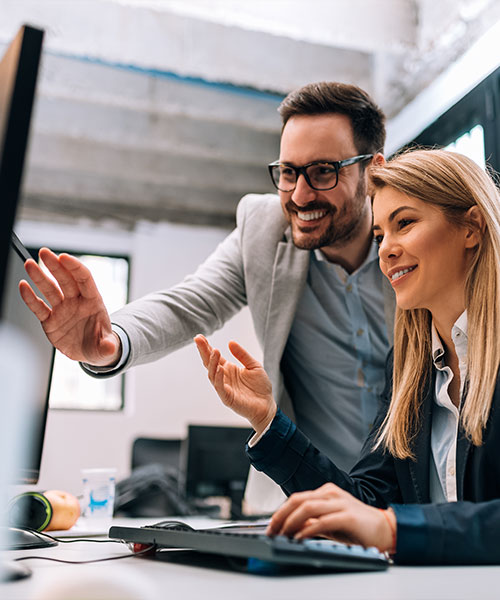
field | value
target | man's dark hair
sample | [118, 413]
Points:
[367, 119]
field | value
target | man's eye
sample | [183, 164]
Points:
[325, 170]
[286, 172]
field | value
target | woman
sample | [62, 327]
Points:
[427, 485]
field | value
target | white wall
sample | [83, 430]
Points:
[161, 398]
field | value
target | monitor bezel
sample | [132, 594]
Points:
[19, 66]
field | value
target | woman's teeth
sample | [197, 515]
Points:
[311, 215]
[399, 274]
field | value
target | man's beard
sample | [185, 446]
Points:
[344, 224]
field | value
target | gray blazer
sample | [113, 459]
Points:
[256, 265]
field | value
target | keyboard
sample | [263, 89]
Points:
[259, 550]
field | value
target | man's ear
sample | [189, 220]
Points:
[475, 227]
[378, 159]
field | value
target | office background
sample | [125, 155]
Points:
[153, 118]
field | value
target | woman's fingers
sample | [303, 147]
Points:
[220, 387]
[334, 524]
[204, 349]
[280, 520]
[280, 516]
[243, 356]
[312, 508]
[213, 363]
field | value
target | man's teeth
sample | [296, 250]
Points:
[399, 274]
[311, 215]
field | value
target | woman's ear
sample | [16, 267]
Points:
[474, 228]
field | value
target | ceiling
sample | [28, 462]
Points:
[167, 109]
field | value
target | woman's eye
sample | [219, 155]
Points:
[404, 222]
[378, 239]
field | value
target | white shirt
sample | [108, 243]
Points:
[445, 415]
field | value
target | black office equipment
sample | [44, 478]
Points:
[18, 76]
[17, 316]
[253, 551]
[148, 451]
[215, 464]
[31, 429]
[174, 476]
[155, 485]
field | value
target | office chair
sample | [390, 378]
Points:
[155, 486]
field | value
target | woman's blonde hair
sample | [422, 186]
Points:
[453, 183]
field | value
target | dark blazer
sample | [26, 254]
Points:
[463, 532]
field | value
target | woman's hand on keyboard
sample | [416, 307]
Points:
[331, 511]
[246, 390]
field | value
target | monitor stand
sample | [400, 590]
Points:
[20, 539]
[16, 538]
[236, 493]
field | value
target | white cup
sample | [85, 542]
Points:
[98, 495]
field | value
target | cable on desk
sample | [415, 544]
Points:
[86, 562]
[73, 540]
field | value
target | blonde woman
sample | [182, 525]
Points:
[427, 485]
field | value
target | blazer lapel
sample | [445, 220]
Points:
[463, 448]
[419, 470]
[289, 274]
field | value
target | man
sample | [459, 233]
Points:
[304, 263]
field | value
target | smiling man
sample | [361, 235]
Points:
[305, 264]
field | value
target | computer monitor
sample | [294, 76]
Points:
[21, 320]
[216, 463]
[25, 375]
[18, 75]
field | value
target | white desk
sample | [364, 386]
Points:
[148, 579]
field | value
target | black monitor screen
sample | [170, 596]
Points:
[18, 75]
[22, 322]
[216, 463]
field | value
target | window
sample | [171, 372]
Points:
[471, 126]
[471, 144]
[71, 388]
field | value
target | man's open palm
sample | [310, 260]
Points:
[74, 317]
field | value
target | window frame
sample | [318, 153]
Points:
[481, 106]
[77, 253]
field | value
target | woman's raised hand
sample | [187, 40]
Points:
[247, 390]
[75, 319]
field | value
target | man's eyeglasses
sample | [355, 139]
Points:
[320, 175]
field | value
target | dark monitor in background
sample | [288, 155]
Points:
[216, 464]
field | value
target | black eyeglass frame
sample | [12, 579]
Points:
[337, 165]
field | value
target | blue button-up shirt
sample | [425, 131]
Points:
[334, 359]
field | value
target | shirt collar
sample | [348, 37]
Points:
[459, 327]
[370, 257]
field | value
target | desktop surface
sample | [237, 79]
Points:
[153, 578]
